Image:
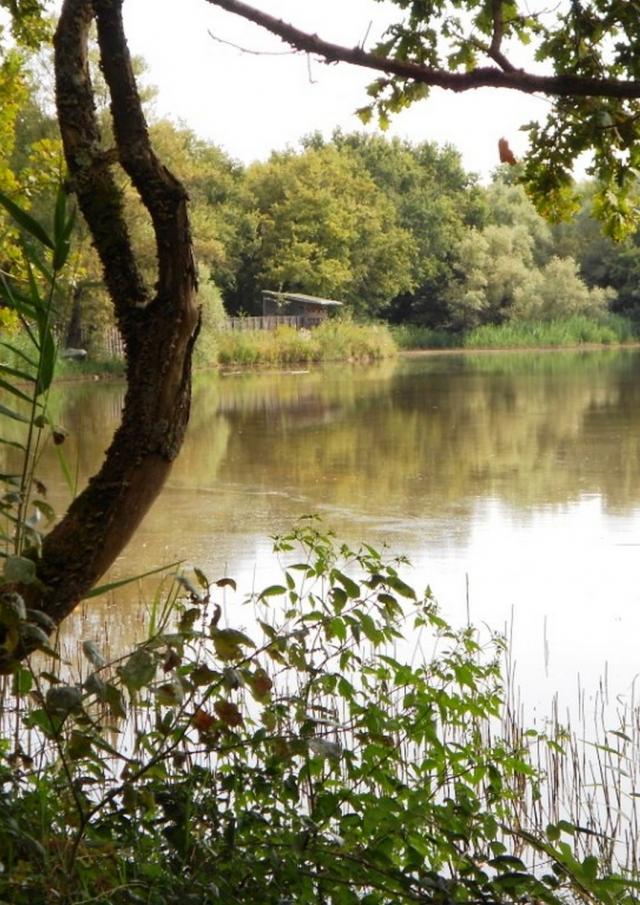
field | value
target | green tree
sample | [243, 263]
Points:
[507, 271]
[322, 226]
[603, 261]
[583, 57]
[435, 201]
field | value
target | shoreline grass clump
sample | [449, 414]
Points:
[610, 329]
[334, 340]
[412, 336]
[574, 331]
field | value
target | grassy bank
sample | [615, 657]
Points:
[338, 340]
[331, 341]
[573, 331]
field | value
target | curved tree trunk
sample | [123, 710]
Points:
[159, 328]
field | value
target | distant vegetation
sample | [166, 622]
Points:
[400, 233]
[577, 330]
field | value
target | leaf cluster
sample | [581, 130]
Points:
[309, 757]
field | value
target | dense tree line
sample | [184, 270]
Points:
[396, 231]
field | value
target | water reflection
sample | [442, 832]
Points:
[519, 469]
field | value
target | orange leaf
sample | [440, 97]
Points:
[228, 713]
[260, 684]
[203, 720]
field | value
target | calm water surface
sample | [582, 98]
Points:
[517, 472]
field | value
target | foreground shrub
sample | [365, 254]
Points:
[311, 757]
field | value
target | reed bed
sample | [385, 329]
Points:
[334, 340]
[578, 331]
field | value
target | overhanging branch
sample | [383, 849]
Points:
[481, 77]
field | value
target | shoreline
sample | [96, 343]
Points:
[488, 350]
[304, 366]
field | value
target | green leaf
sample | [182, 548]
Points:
[20, 569]
[15, 372]
[37, 617]
[350, 586]
[93, 655]
[61, 230]
[202, 675]
[508, 862]
[138, 671]
[115, 701]
[552, 832]
[14, 415]
[22, 680]
[26, 221]
[401, 587]
[79, 745]
[112, 585]
[64, 468]
[20, 354]
[170, 694]
[48, 354]
[61, 699]
[273, 590]
[590, 868]
[13, 443]
[229, 643]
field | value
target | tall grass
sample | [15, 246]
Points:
[412, 336]
[324, 724]
[574, 331]
[612, 329]
[331, 341]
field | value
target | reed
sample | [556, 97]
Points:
[611, 329]
[574, 331]
[334, 340]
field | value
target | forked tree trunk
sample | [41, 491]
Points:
[159, 328]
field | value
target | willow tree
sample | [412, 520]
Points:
[585, 60]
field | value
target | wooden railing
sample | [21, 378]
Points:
[272, 321]
[108, 342]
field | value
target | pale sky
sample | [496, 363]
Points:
[251, 105]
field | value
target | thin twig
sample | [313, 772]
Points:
[255, 53]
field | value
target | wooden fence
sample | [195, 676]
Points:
[272, 321]
[106, 343]
[109, 344]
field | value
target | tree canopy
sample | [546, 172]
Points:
[580, 54]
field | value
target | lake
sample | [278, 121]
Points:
[512, 482]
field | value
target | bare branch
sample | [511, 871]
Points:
[255, 53]
[495, 51]
[481, 77]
